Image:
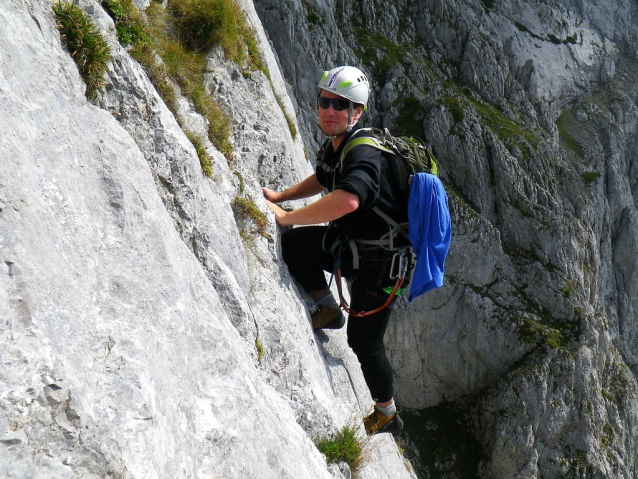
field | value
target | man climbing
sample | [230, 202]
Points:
[361, 181]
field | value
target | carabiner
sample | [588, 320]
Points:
[402, 268]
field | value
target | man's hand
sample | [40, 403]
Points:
[280, 213]
[307, 188]
[271, 195]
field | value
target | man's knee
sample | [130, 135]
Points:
[365, 350]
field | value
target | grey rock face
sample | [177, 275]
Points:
[131, 307]
[530, 108]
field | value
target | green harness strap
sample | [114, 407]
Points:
[363, 140]
[373, 142]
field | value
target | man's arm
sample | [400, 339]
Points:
[307, 188]
[329, 208]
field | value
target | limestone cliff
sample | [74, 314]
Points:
[147, 330]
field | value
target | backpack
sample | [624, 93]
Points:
[409, 157]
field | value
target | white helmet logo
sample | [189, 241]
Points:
[334, 77]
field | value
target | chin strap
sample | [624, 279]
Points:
[350, 122]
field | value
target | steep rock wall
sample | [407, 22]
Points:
[132, 308]
[530, 108]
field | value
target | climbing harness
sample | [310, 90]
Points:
[401, 264]
[359, 314]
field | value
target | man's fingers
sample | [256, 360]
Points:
[269, 194]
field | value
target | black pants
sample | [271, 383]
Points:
[303, 253]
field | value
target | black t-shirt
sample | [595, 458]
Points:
[367, 174]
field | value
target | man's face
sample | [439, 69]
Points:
[334, 122]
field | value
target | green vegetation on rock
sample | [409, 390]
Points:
[204, 159]
[566, 125]
[85, 43]
[260, 350]
[410, 119]
[180, 65]
[589, 177]
[205, 24]
[383, 52]
[129, 25]
[455, 108]
[248, 209]
[509, 131]
[488, 3]
[348, 445]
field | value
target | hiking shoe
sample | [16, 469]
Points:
[326, 317]
[377, 423]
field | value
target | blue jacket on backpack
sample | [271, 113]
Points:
[430, 232]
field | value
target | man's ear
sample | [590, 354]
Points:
[358, 112]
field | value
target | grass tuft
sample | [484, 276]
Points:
[410, 119]
[604, 393]
[291, 124]
[86, 45]
[242, 182]
[248, 209]
[507, 130]
[349, 446]
[168, 63]
[204, 160]
[589, 177]
[204, 24]
[129, 24]
[260, 350]
[454, 105]
[565, 125]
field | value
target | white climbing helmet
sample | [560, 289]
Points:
[347, 82]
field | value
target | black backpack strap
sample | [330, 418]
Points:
[319, 157]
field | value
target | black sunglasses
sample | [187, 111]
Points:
[337, 103]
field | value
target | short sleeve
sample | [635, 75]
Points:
[361, 175]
